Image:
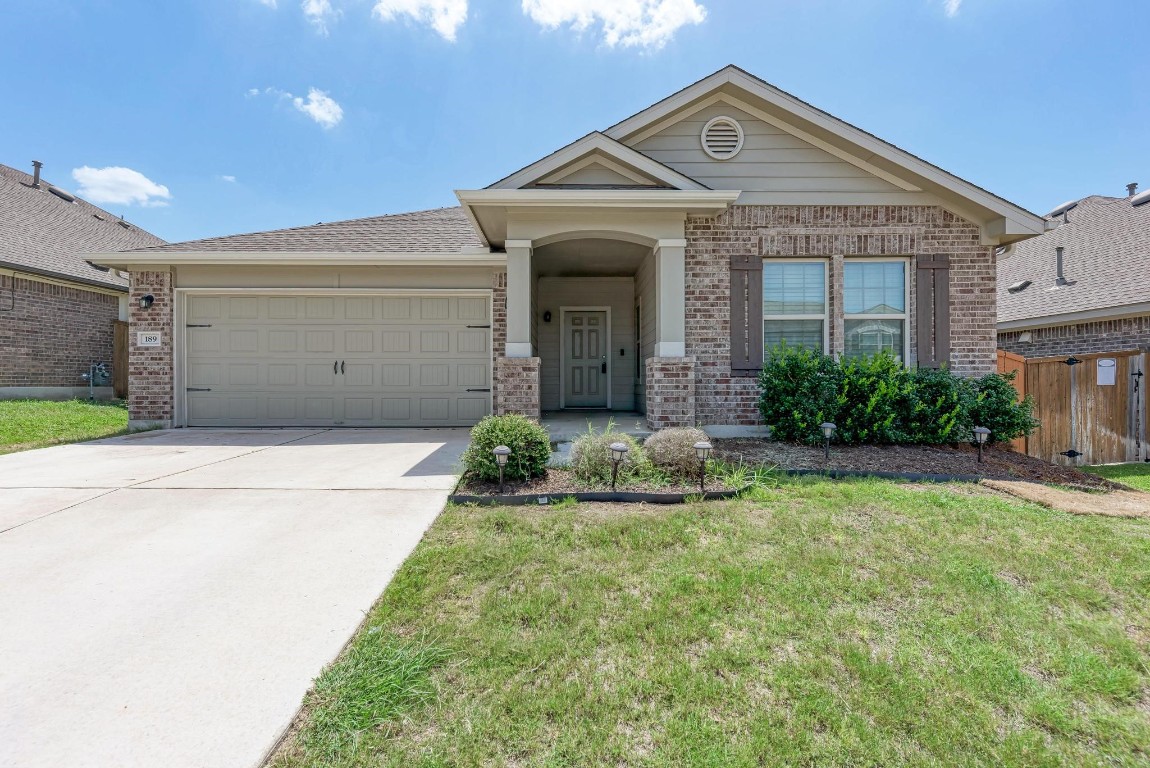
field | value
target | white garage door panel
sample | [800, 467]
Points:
[337, 360]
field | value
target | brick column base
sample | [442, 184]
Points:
[517, 386]
[151, 375]
[670, 392]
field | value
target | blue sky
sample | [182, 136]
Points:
[224, 116]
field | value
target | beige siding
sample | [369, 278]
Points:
[594, 174]
[208, 276]
[615, 292]
[771, 160]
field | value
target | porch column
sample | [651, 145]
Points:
[518, 298]
[517, 370]
[670, 390]
[670, 299]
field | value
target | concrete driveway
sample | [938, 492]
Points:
[166, 598]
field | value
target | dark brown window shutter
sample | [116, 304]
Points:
[932, 283]
[746, 314]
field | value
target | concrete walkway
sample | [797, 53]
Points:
[167, 598]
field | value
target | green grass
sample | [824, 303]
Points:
[854, 623]
[1133, 475]
[26, 424]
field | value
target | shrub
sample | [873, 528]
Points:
[996, 407]
[673, 450]
[873, 393]
[529, 443]
[591, 457]
[937, 409]
[875, 400]
[798, 392]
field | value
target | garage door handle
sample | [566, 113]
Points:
[479, 326]
[335, 367]
[479, 390]
[199, 389]
[343, 367]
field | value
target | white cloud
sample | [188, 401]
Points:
[319, 107]
[444, 16]
[951, 7]
[119, 186]
[641, 23]
[320, 13]
[228, 179]
[268, 3]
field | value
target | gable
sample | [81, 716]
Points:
[597, 160]
[596, 170]
[771, 159]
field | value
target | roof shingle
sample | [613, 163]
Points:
[440, 230]
[1106, 258]
[50, 235]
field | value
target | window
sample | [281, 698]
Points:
[795, 304]
[874, 305]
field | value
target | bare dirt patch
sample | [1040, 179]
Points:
[998, 462]
[1121, 503]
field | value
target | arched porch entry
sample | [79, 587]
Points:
[596, 311]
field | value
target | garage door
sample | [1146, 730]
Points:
[356, 361]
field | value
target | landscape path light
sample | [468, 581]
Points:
[828, 433]
[618, 453]
[702, 453]
[981, 435]
[501, 453]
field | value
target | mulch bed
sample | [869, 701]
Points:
[999, 463]
[558, 482]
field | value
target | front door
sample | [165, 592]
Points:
[585, 346]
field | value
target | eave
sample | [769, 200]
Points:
[292, 259]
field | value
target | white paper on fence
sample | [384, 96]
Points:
[1106, 367]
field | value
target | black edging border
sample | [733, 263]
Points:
[631, 497]
[634, 497]
[914, 477]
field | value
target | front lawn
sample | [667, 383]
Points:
[28, 424]
[1133, 475]
[821, 623]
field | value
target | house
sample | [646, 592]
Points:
[57, 308]
[640, 268]
[1084, 286]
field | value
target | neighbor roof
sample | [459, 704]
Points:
[1106, 259]
[440, 230]
[46, 234]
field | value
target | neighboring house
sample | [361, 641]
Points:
[57, 309]
[644, 267]
[1100, 302]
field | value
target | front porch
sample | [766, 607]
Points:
[596, 324]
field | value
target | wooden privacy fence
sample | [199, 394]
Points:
[1091, 407]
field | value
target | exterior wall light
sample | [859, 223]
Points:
[981, 435]
[828, 433]
[501, 453]
[702, 453]
[618, 453]
[147, 301]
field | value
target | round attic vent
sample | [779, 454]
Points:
[722, 138]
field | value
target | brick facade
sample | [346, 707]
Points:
[671, 388]
[498, 329]
[50, 333]
[517, 381]
[1081, 338]
[829, 232]
[150, 372]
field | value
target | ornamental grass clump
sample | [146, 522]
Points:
[591, 457]
[529, 443]
[673, 451]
